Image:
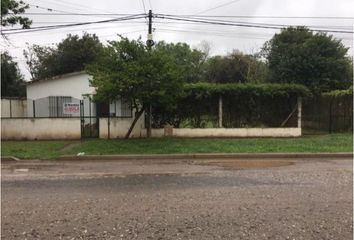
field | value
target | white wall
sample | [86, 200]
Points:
[73, 85]
[40, 128]
[18, 108]
[228, 132]
[119, 127]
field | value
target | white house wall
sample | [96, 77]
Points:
[73, 85]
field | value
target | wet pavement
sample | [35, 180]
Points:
[178, 199]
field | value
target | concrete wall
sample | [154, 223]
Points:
[40, 128]
[228, 132]
[119, 127]
[18, 108]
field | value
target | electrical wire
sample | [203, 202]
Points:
[216, 7]
[150, 5]
[258, 16]
[83, 6]
[34, 29]
[50, 9]
[240, 25]
[193, 15]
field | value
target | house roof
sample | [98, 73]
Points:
[56, 77]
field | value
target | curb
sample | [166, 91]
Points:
[206, 156]
[9, 159]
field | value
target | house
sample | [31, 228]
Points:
[62, 108]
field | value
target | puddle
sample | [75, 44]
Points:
[21, 170]
[247, 164]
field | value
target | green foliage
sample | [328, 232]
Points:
[12, 83]
[244, 105]
[202, 89]
[316, 60]
[339, 93]
[9, 10]
[127, 68]
[70, 55]
[190, 62]
[235, 68]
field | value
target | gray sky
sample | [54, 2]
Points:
[222, 39]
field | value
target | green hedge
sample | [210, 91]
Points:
[339, 93]
[257, 90]
[244, 105]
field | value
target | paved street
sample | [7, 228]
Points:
[178, 199]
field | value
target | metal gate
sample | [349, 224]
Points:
[89, 119]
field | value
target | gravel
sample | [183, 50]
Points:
[311, 199]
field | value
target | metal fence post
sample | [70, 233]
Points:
[299, 111]
[220, 111]
[34, 108]
[10, 109]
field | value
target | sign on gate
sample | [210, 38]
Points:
[71, 108]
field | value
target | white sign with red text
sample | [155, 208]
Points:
[71, 108]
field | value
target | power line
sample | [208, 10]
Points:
[194, 15]
[80, 14]
[55, 2]
[50, 9]
[150, 4]
[42, 28]
[259, 16]
[84, 7]
[218, 6]
[241, 25]
[143, 6]
[265, 24]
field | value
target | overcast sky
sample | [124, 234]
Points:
[222, 39]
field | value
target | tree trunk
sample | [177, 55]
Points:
[137, 116]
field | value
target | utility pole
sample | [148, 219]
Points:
[149, 44]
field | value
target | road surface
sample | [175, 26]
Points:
[178, 199]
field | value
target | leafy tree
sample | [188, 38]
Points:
[128, 69]
[235, 68]
[316, 60]
[70, 55]
[189, 61]
[12, 83]
[9, 13]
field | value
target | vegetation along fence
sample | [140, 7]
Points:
[330, 112]
[205, 105]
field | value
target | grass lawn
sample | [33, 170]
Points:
[51, 149]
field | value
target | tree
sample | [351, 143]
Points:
[316, 60]
[70, 55]
[128, 69]
[190, 62]
[235, 67]
[9, 13]
[12, 83]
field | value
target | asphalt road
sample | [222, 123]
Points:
[306, 199]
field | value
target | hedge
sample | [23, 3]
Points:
[257, 90]
[244, 105]
[339, 93]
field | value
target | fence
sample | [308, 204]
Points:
[328, 114]
[63, 117]
[13, 107]
[230, 112]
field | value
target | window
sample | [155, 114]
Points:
[56, 106]
[126, 108]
